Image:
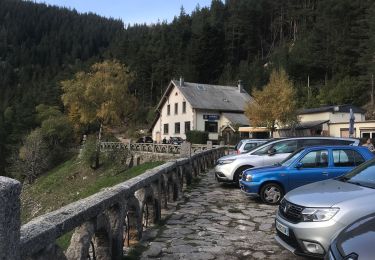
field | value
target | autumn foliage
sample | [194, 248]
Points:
[275, 105]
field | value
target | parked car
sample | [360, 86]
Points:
[229, 167]
[148, 140]
[145, 139]
[304, 166]
[355, 242]
[310, 216]
[176, 140]
[140, 140]
[246, 145]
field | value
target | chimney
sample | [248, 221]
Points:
[181, 81]
[239, 86]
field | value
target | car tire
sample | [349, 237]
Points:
[271, 193]
[236, 175]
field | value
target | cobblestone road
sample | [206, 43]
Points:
[214, 221]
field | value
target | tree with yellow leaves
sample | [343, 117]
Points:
[100, 96]
[275, 104]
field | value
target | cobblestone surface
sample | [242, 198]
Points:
[215, 221]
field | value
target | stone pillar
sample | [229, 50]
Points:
[10, 221]
[209, 145]
[185, 149]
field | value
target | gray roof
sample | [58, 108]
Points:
[307, 124]
[339, 108]
[237, 118]
[214, 97]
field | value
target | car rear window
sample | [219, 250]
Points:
[347, 158]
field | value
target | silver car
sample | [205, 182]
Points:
[246, 145]
[310, 216]
[229, 168]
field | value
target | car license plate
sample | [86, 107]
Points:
[282, 228]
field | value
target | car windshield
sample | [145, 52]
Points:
[363, 175]
[238, 145]
[260, 146]
[288, 160]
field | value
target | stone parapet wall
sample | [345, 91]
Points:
[106, 222]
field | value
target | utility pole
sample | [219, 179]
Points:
[372, 90]
[308, 88]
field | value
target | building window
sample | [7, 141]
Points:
[187, 126]
[175, 108]
[210, 127]
[176, 128]
[166, 128]
[184, 107]
[168, 110]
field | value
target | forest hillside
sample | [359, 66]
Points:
[327, 48]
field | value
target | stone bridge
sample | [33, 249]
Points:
[102, 224]
[158, 148]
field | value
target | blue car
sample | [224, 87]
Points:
[304, 166]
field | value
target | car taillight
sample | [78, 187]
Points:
[238, 152]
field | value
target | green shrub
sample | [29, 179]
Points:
[197, 137]
[89, 151]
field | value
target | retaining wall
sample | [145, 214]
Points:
[102, 224]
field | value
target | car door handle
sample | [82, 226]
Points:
[325, 173]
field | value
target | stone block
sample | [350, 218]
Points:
[185, 149]
[10, 222]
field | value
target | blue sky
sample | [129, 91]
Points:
[132, 11]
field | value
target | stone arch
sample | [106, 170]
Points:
[116, 218]
[176, 186]
[101, 246]
[164, 190]
[182, 177]
[202, 164]
[101, 240]
[132, 225]
[170, 187]
[187, 175]
[196, 168]
[80, 242]
[92, 240]
[193, 169]
[150, 207]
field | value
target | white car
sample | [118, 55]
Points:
[229, 168]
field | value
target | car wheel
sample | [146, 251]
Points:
[236, 175]
[271, 193]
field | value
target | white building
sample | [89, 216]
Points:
[362, 129]
[319, 121]
[189, 106]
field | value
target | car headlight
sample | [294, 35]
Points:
[249, 177]
[226, 161]
[319, 214]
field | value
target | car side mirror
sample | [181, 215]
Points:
[271, 151]
[299, 165]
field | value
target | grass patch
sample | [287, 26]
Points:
[70, 182]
